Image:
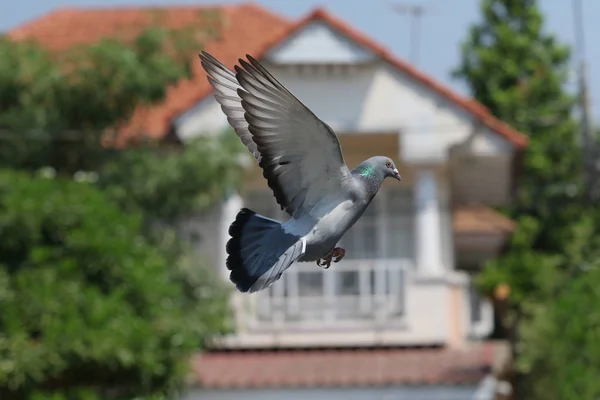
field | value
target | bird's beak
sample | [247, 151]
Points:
[397, 174]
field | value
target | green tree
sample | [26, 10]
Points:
[57, 106]
[58, 110]
[519, 72]
[562, 353]
[170, 184]
[92, 299]
[87, 301]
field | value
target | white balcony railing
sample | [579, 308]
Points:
[352, 293]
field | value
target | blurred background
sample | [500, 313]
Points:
[476, 278]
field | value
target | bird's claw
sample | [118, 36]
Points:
[335, 256]
[324, 262]
[338, 253]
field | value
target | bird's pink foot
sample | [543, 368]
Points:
[335, 256]
[338, 253]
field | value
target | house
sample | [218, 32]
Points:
[398, 317]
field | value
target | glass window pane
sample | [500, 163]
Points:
[361, 241]
[370, 241]
[399, 238]
[310, 283]
[475, 304]
[399, 202]
[347, 283]
[351, 242]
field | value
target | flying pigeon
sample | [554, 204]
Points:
[302, 161]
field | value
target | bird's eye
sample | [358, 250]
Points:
[388, 164]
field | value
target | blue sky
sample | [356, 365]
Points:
[442, 30]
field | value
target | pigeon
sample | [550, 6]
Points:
[302, 162]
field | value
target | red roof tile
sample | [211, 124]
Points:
[342, 368]
[245, 28]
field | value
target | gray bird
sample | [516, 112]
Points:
[302, 161]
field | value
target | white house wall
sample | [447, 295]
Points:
[318, 44]
[205, 118]
[339, 99]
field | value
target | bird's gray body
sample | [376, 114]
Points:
[329, 221]
[303, 164]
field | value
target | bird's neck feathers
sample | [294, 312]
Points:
[367, 171]
[370, 175]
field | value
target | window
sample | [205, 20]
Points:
[360, 241]
[386, 229]
[347, 283]
[310, 283]
[474, 303]
[399, 232]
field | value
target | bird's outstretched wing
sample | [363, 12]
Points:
[300, 155]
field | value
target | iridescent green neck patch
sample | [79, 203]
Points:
[368, 171]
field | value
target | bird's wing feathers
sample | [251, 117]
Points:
[226, 86]
[300, 155]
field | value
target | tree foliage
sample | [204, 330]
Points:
[56, 106]
[93, 302]
[561, 354]
[170, 184]
[520, 72]
[87, 300]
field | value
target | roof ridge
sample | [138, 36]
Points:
[113, 7]
[29, 21]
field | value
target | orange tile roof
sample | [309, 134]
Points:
[245, 28]
[342, 367]
[478, 219]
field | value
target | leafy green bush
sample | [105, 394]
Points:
[87, 302]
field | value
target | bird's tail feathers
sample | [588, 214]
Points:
[259, 251]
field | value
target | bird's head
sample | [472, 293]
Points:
[377, 168]
[388, 167]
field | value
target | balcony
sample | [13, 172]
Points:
[353, 294]
[378, 302]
